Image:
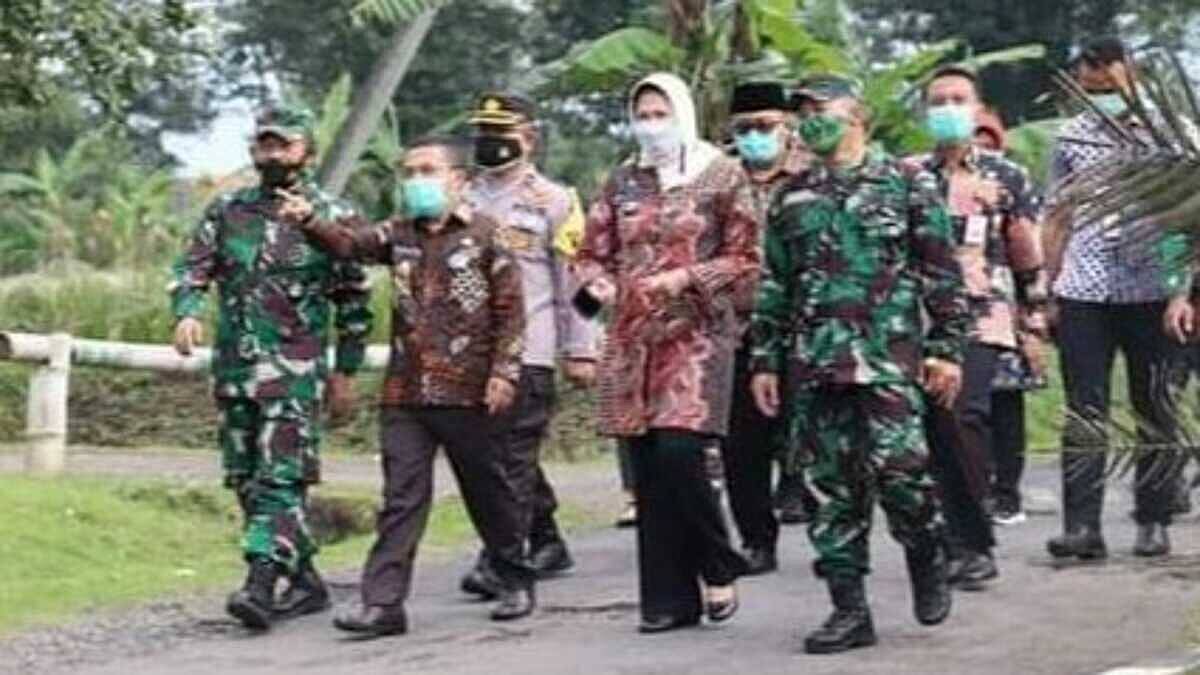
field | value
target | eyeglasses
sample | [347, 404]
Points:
[761, 126]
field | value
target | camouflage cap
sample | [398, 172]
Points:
[287, 121]
[503, 109]
[828, 88]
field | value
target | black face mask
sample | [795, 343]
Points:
[277, 174]
[493, 151]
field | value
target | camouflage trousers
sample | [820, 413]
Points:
[862, 444]
[269, 452]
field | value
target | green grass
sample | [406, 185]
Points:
[77, 544]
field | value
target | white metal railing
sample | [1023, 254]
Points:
[46, 403]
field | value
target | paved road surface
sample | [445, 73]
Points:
[1036, 620]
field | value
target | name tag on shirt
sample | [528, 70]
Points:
[975, 233]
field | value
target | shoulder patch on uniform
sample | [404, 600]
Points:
[569, 236]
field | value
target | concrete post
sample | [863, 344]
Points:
[46, 414]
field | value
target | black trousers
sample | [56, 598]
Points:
[525, 425]
[1089, 335]
[748, 453]
[1008, 445]
[410, 438]
[960, 448]
[682, 537]
[625, 465]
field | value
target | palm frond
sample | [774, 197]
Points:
[391, 12]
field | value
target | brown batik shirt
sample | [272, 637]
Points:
[458, 317]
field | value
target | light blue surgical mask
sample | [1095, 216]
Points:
[424, 197]
[757, 148]
[1112, 103]
[951, 124]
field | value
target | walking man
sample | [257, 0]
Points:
[1109, 296]
[457, 326]
[269, 363]
[994, 212]
[540, 222]
[856, 245]
[763, 122]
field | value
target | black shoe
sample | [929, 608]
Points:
[849, 626]
[375, 620]
[1152, 541]
[797, 510]
[759, 560]
[481, 580]
[927, 573]
[976, 570]
[1181, 503]
[664, 623]
[515, 604]
[1084, 543]
[551, 558]
[306, 594]
[253, 605]
[720, 612]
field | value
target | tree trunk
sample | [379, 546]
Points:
[370, 101]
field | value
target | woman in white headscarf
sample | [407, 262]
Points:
[668, 244]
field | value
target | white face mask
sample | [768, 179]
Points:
[658, 138]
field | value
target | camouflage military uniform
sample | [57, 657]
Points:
[850, 257]
[269, 359]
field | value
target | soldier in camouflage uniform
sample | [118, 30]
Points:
[541, 222]
[855, 246]
[269, 362]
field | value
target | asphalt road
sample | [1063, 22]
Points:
[1037, 619]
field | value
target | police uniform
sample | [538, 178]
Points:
[540, 221]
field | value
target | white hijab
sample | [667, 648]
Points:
[696, 154]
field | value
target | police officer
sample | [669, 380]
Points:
[541, 222]
[269, 365]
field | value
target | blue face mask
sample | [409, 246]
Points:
[1112, 103]
[757, 148]
[424, 197]
[950, 124]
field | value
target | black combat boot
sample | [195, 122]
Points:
[850, 625]
[253, 605]
[306, 594]
[928, 575]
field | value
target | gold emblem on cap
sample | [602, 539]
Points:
[491, 105]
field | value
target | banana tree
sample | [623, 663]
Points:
[714, 44]
[371, 100]
[44, 199]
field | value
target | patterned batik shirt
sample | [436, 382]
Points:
[995, 213]
[458, 318]
[275, 291]
[1106, 261]
[851, 257]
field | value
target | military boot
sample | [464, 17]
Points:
[253, 605]
[850, 625]
[307, 594]
[928, 574]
